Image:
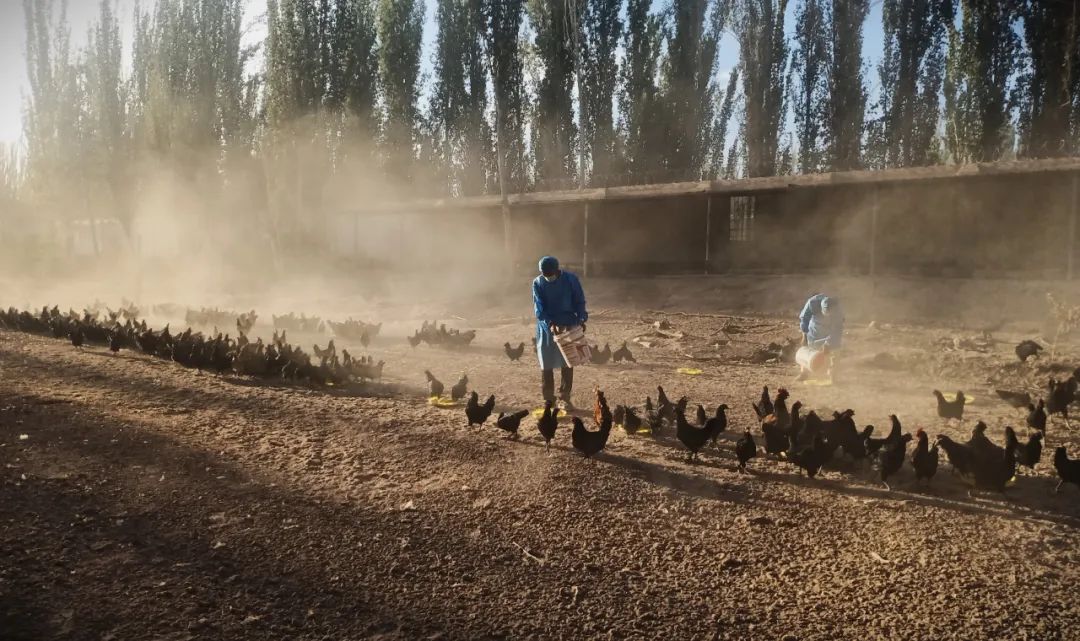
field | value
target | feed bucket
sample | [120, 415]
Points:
[812, 359]
[575, 349]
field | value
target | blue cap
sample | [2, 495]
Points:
[549, 265]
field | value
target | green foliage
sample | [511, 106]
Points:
[981, 64]
[847, 92]
[911, 74]
[764, 51]
[810, 91]
[639, 98]
[400, 25]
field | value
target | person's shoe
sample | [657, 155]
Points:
[566, 405]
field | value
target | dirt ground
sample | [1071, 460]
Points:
[140, 500]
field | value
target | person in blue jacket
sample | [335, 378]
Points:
[822, 325]
[559, 303]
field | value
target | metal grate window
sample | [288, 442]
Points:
[742, 218]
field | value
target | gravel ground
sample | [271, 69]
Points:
[140, 500]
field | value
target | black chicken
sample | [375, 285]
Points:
[700, 416]
[1027, 454]
[925, 458]
[694, 438]
[745, 449]
[623, 354]
[478, 414]
[601, 356]
[981, 444]
[776, 438]
[874, 445]
[77, 336]
[1027, 349]
[631, 421]
[511, 422]
[1036, 418]
[514, 353]
[1062, 394]
[960, 457]
[414, 340]
[1019, 400]
[590, 443]
[1068, 470]
[116, 341]
[547, 424]
[653, 417]
[763, 407]
[458, 391]
[811, 458]
[950, 410]
[892, 458]
[435, 386]
[664, 405]
[717, 424]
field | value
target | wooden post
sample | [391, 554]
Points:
[585, 244]
[507, 238]
[1071, 243]
[708, 230]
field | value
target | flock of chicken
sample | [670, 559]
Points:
[218, 352]
[809, 442]
[437, 335]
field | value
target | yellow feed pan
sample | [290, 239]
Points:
[968, 400]
[689, 371]
[816, 382]
[441, 401]
[538, 413]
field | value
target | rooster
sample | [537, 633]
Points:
[1068, 470]
[514, 353]
[547, 424]
[925, 458]
[779, 419]
[745, 449]
[458, 391]
[764, 407]
[476, 413]
[950, 410]
[435, 386]
[511, 422]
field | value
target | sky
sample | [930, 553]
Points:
[13, 83]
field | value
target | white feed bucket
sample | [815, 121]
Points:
[574, 347]
[812, 359]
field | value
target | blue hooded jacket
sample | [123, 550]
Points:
[561, 303]
[819, 328]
